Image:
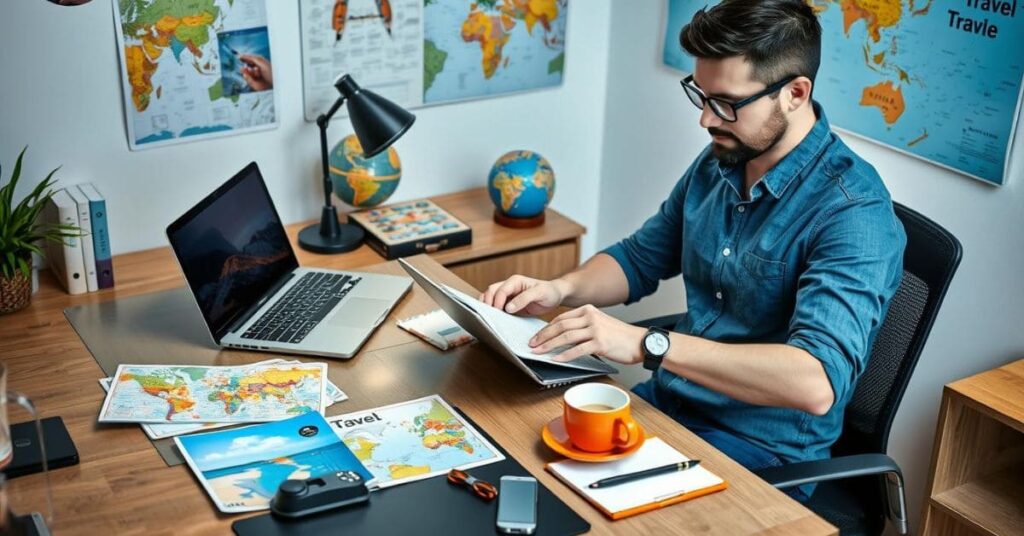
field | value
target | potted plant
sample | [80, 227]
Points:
[22, 234]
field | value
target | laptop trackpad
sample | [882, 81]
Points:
[359, 313]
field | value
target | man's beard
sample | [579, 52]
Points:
[770, 135]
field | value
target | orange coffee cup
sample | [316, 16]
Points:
[597, 418]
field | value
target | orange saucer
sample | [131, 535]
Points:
[555, 437]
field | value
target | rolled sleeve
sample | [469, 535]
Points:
[654, 252]
[854, 267]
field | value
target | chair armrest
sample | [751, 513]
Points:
[797, 474]
[665, 322]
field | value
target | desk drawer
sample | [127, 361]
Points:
[546, 262]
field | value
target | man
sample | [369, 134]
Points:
[787, 242]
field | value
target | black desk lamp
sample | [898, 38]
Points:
[377, 122]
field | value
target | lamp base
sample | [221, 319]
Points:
[349, 238]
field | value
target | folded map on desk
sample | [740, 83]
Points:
[200, 394]
[161, 431]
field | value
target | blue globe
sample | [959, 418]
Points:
[521, 184]
[360, 181]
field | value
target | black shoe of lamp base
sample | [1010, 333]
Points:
[329, 236]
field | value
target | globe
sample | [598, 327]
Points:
[360, 181]
[521, 185]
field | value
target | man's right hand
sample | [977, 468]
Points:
[525, 295]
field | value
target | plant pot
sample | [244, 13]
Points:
[15, 292]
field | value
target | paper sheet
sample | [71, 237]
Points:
[654, 453]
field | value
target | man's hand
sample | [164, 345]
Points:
[525, 295]
[590, 331]
[257, 72]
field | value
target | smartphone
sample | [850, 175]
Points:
[517, 505]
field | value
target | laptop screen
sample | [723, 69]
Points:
[232, 248]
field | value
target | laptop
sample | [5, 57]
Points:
[508, 335]
[250, 289]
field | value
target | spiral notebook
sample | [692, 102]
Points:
[508, 335]
[640, 496]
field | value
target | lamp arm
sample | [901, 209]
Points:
[322, 122]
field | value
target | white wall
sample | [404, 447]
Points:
[60, 94]
[651, 137]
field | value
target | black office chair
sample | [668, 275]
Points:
[860, 486]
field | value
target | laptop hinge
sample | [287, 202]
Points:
[272, 291]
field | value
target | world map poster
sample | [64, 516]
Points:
[941, 81]
[419, 52]
[194, 69]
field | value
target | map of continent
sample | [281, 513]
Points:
[930, 79]
[413, 440]
[174, 68]
[180, 394]
[486, 47]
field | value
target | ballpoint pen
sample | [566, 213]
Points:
[630, 477]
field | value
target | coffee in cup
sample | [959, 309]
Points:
[597, 418]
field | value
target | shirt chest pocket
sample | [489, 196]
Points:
[761, 268]
[763, 294]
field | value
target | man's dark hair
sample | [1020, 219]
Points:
[779, 38]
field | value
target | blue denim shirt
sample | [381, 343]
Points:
[811, 260]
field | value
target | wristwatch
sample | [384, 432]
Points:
[655, 346]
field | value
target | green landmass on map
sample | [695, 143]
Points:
[433, 63]
[557, 64]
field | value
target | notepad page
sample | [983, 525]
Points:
[654, 453]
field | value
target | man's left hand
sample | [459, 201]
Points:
[590, 331]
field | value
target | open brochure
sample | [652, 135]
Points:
[413, 440]
[508, 335]
[242, 468]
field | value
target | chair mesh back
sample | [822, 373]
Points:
[864, 413]
[931, 258]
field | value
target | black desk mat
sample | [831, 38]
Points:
[431, 506]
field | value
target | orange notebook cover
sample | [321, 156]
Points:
[632, 498]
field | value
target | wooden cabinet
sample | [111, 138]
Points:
[976, 485]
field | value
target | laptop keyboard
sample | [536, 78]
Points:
[305, 304]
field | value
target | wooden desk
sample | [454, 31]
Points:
[975, 484]
[123, 487]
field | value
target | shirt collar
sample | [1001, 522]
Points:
[782, 174]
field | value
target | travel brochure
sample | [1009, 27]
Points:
[175, 394]
[242, 468]
[413, 440]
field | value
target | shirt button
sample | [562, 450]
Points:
[726, 252]
[718, 295]
[741, 208]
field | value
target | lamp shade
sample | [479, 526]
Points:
[377, 121]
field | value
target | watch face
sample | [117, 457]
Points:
[656, 343]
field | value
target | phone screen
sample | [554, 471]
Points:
[517, 501]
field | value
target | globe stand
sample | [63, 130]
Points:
[329, 236]
[518, 223]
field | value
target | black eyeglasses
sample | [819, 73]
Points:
[724, 109]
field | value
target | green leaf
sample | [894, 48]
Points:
[25, 267]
